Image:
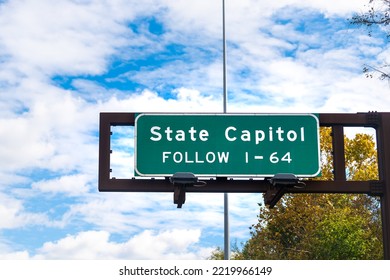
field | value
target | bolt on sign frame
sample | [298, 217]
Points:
[381, 188]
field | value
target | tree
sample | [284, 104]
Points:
[376, 18]
[323, 226]
[378, 14]
[218, 253]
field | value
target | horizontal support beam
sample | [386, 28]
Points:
[241, 186]
[118, 118]
[370, 119]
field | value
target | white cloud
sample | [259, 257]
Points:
[334, 7]
[13, 215]
[131, 212]
[328, 7]
[20, 255]
[184, 100]
[9, 253]
[92, 245]
[70, 184]
[51, 134]
[65, 36]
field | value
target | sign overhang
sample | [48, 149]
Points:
[227, 145]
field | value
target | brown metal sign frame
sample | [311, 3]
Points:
[379, 121]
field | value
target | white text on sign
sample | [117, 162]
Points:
[231, 135]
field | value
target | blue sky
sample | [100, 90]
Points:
[64, 62]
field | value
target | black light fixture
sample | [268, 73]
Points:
[284, 180]
[183, 178]
[180, 181]
[278, 185]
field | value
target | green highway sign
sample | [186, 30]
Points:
[247, 145]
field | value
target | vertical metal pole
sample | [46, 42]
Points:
[226, 196]
[224, 58]
[338, 153]
[383, 138]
